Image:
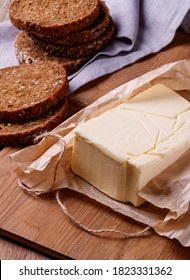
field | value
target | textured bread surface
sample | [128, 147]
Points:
[16, 134]
[30, 90]
[58, 16]
[81, 50]
[27, 51]
[88, 34]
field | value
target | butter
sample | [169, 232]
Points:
[120, 151]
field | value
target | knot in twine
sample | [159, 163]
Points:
[95, 231]
[47, 134]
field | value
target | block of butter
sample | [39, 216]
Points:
[120, 151]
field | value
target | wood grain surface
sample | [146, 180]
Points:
[40, 225]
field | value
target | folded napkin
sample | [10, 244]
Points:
[143, 27]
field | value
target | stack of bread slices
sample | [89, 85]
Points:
[33, 101]
[56, 39]
[67, 31]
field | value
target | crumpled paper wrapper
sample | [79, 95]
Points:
[46, 166]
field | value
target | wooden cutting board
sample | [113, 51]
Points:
[40, 223]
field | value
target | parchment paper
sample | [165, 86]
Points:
[45, 166]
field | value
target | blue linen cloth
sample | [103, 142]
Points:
[143, 27]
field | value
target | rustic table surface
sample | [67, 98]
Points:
[12, 246]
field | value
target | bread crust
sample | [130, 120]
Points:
[24, 133]
[27, 51]
[89, 34]
[82, 50]
[53, 17]
[35, 89]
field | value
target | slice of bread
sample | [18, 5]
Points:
[31, 90]
[81, 50]
[53, 17]
[24, 133]
[27, 51]
[89, 34]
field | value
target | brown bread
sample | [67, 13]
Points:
[16, 134]
[81, 50]
[30, 90]
[28, 52]
[89, 34]
[53, 17]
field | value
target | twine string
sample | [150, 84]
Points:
[95, 231]
[45, 135]
[62, 205]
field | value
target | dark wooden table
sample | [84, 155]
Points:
[11, 248]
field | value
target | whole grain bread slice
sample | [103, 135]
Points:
[24, 133]
[31, 90]
[57, 17]
[27, 51]
[81, 50]
[86, 35]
